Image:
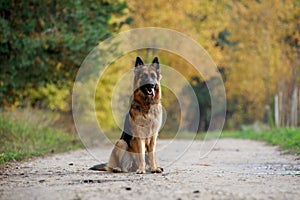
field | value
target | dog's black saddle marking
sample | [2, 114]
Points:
[126, 134]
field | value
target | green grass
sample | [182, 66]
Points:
[287, 139]
[21, 140]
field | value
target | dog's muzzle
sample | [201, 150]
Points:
[149, 89]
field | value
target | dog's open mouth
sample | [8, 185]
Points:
[149, 89]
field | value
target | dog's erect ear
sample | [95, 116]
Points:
[155, 63]
[139, 62]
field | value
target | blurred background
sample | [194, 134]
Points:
[255, 45]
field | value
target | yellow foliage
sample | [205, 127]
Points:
[257, 66]
[52, 97]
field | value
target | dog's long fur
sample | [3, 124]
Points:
[137, 144]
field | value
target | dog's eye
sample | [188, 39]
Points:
[145, 76]
[153, 76]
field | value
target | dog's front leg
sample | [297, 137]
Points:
[141, 156]
[152, 157]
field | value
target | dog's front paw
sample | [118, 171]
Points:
[117, 170]
[140, 171]
[157, 170]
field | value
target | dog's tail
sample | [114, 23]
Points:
[100, 167]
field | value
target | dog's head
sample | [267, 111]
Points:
[146, 81]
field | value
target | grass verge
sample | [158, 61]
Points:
[287, 139]
[21, 139]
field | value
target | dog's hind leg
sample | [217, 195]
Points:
[116, 158]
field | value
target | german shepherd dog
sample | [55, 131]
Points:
[137, 144]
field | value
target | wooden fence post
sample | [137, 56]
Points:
[293, 108]
[276, 111]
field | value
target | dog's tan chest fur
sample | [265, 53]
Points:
[145, 125]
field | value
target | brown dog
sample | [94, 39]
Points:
[142, 123]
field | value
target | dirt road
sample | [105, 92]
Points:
[234, 169]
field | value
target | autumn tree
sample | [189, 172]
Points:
[258, 65]
[256, 43]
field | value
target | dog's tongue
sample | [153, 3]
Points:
[152, 93]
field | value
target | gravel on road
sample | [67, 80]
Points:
[233, 169]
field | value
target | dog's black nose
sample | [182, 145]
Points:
[152, 85]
